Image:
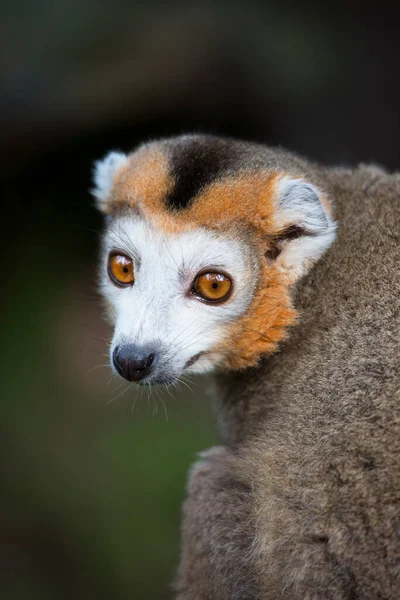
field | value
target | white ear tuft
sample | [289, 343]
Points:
[306, 229]
[103, 176]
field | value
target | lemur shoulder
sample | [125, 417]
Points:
[282, 276]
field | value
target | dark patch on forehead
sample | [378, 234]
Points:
[195, 162]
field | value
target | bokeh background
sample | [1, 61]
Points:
[92, 476]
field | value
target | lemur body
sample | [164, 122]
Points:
[303, 499]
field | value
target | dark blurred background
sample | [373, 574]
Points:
[92, 476]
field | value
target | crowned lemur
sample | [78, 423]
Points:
[283, 277]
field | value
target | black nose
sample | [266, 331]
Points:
[132, 363]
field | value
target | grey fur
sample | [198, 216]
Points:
[303, 500]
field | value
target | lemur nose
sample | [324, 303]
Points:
[131, 362]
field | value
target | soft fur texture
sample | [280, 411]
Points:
[303, 500]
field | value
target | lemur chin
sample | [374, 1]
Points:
[205, 240]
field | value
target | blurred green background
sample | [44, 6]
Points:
[91, 476]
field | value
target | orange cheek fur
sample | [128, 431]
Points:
[263, 326]
[244, 201]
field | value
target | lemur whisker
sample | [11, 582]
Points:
[183, 330]
[187, 376]
[182, 382]
[84, 228]
[119, 395]
[167, 389]
[135, 400]
[118, 327]
[131, 250]
[96, 367]
[155, 405]
[155, 401]
[149, 391]
[170, 268]
[87, 295]
[181, 345]
[111, 378]
[126, 241]
[196, 340]
[165, 406]
[182, 255]
[161, 399]
[181, 348]
[170, 253]
[99, 337]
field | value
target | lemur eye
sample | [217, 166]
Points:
[120, 269]
[212, 287]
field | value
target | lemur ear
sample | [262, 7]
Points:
[304, 229]
[103, 177]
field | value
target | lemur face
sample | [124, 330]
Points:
[204, 241]
[174, 294]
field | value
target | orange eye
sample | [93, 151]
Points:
[212, 287]
[120, 269]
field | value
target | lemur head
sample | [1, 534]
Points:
[205, 238]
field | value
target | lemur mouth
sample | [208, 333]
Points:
[192, 360]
